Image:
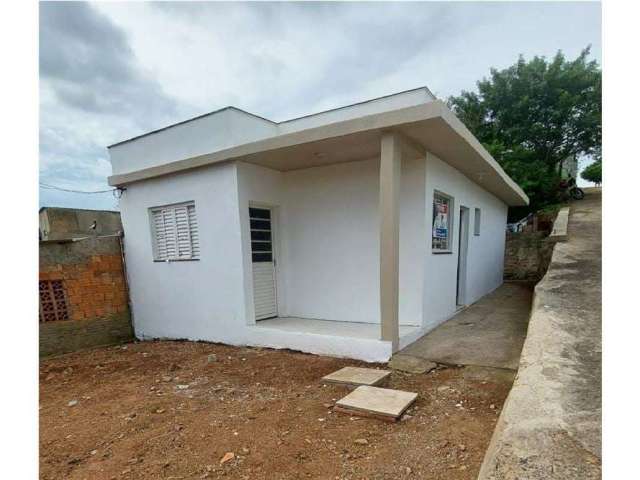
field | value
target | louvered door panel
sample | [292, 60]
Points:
[264, 277]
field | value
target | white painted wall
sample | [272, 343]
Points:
[199, 299]
[327, 241]
[204, 299]
[485, 259]
[217, 131]
[327, 232]
[263, 187]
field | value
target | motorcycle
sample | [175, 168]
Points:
[569, 188]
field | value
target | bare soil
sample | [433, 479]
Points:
[163, 410]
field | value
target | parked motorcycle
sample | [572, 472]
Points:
[569, 188]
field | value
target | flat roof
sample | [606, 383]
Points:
[231, 107]
[430, 126]
[198, 117]
[359, 103]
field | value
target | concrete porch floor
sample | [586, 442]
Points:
[327, 337]
[369, 331]
[488, 333]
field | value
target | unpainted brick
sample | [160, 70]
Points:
[95, 289]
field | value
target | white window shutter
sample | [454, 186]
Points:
[170, 232]
[175, 231]
[160, 235]
[182, 232]
[193, 229]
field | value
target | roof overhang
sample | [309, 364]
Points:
[430, 126]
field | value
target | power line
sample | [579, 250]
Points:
[53, 187]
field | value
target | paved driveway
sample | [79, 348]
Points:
[489, 333]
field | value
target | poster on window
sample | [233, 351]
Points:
[441, 221]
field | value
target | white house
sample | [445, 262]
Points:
[350, 232]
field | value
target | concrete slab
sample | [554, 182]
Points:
[411, 364]
[489, 333]
[357, 376]
[381, 402]
[327, 337]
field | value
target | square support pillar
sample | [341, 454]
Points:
[390, 163]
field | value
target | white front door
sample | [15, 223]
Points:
[263, 261]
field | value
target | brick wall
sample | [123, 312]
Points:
[527, 256]
[92, 274]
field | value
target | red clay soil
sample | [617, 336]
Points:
[165, 410]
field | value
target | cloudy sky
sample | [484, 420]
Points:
[110, 71]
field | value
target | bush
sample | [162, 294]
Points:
[593, 173]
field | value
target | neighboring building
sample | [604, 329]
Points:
[83, 295]
[82, 285]
[570, 167]
[350, 232]
[58, 223]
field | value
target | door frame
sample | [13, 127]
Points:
[463, 254]
[274, 253]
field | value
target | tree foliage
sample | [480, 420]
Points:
[533, 115]
[593, 173]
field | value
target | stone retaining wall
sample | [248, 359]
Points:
[527, 256]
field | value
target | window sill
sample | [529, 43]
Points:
[441, 252]
[172, 260]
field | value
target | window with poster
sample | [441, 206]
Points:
[441, 223]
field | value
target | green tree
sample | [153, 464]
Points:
[593, 173]
[535, 114]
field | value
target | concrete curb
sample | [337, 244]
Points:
[550, 427]
[560, 226]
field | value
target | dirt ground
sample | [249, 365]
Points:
[167, 410]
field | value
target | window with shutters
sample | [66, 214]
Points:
[175, 232]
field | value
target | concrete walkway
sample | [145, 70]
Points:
[489, 333]
[550, 426]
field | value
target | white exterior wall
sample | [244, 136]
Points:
[327, 239]
[197, 299]
[485, 260]
[205, 299]
[263, 187]
[327, 246]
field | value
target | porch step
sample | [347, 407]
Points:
[357, 376]
[381, 403]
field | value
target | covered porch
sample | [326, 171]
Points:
[322, 250]
[383, 324]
